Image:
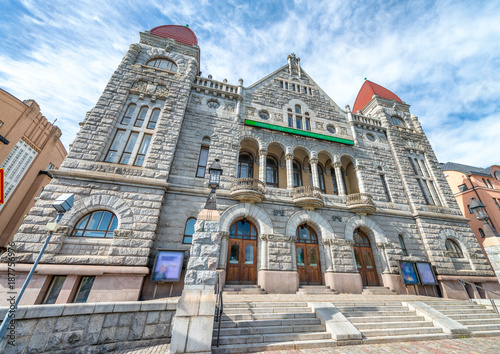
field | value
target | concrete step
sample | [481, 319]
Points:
[400, 331]
[265, 323]
[455, 306]
[465, 311]
[378, 313]
[263, 304]
[241, 286]
[484, 327]
[458, 317]
[260, 347]
[265, 316]
[370, 308]
[493, 333]
[243, 331]
[246, 311]
[316, 291]
[366, 303]
[271, 338]
[382, 325]
[314, 286]
[244, 291]
[479, 321]
[406, 338]
[376, 319]
[373, 292]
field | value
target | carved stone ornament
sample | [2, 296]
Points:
[279, 238]
[343, 131]
[278, 117]
[328, 241]
[151, 43]
[224, 234]
[196, 99]
[264, 237]
[150, 88]
[279, 213]
[319, 125]
[336, 218]
[229, 107]
[249, 111]
[122, 233]
[342, 242]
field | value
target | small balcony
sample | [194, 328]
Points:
[307, 197]
[360, 203]
[248, 190]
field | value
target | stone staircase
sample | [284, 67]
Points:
[243, 289]
[377, 290]
[383, 322]
[315, 289]
[481, 321]
[263, 326]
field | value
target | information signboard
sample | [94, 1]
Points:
[168, 266]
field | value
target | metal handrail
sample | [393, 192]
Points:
[462, 282]
[219, 305]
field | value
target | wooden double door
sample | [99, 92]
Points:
[363, 255]
[307, 253]
[242, 253]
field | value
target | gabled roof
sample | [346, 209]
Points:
[366, 93]
[466, 169]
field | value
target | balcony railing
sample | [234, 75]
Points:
[248, 190]
[307, 197]
[360, 203]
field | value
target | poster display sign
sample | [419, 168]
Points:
[425, 273]
[168, 266]
[408, 273]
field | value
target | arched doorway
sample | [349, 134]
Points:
[364, 259]
[242, 253]
[307, 252]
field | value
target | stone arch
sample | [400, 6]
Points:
[367, 224]
[301, 147]
[349, 156]
[327, 153]
[278, 142]
[318, 222]
[202, 133]
[249, 211]
[86, 205]
[249, 135]
[458, 238]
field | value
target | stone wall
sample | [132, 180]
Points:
[90, 328]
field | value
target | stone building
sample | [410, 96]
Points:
[310, 192]
[30, 147]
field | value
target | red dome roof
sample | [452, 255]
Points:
[366, 93]
[178, 33]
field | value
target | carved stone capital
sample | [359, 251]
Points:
[337, 165]
[262, 152]
[264, 237]
[328, 241]
[359, 168]
[289, 156]
[224, 234]
[313, 161]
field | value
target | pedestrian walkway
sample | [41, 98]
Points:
[444, 346]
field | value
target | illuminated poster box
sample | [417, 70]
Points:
[168, 266]
[408, 273]
[426, 273]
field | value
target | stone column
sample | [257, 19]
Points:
[338, 176]
[224, 235]
[264, 258]
[327, 242]
[382, 249]
[289, 170]
[262, 165]
[314, 171]
[294, 253]
[359, 177]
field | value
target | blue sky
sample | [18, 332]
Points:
[440, 57]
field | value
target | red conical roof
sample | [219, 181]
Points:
[366, 93]
[178, 33]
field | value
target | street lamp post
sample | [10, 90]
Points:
[213, 182]
[481, 214]
[62, 205]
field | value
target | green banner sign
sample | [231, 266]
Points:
[298, 132]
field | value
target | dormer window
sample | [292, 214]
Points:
[398, 121]
[164, 64]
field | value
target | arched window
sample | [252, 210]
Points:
[397, 121]
[245, 165]
[297, 174]
[334, 181]
[321, 179]
[402, 244]
[453, 249]
[298, 110]
[271, 171]
[481, 232]
[306, 234]
[141, 117]
[96, 224]
[203, 158]
[127, 117]
[154, 119]
[189, 231]
[164, 64]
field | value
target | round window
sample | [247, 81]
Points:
[213, 104]
[330, 128]
[370, 137]
[264, 115]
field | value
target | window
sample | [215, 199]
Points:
[213, 104]
[164, 64]
[189, 231]
[491, 186]
[497, 202]
[334, 181]
[143, 149]
[330, 128]
[370, 137]
[453, 249]
[424, 179]
[271, 171]
[202, 162]
[397, 121]
[129, 113]
[154, 119]
[298, 122]
[308, 122]
[264, 115]
[386, 188]
[481, 232]
[297, 109]
[463, 187]
[84, 288]
[297, 174]
[402, 244]
[245, 165]
[290, 121]
[54, 289]
[321, 179]
[141, 117]
[129, 147]
[486, 184]
[96, 224]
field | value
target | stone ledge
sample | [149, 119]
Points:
[335, 322]
[65, 269]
